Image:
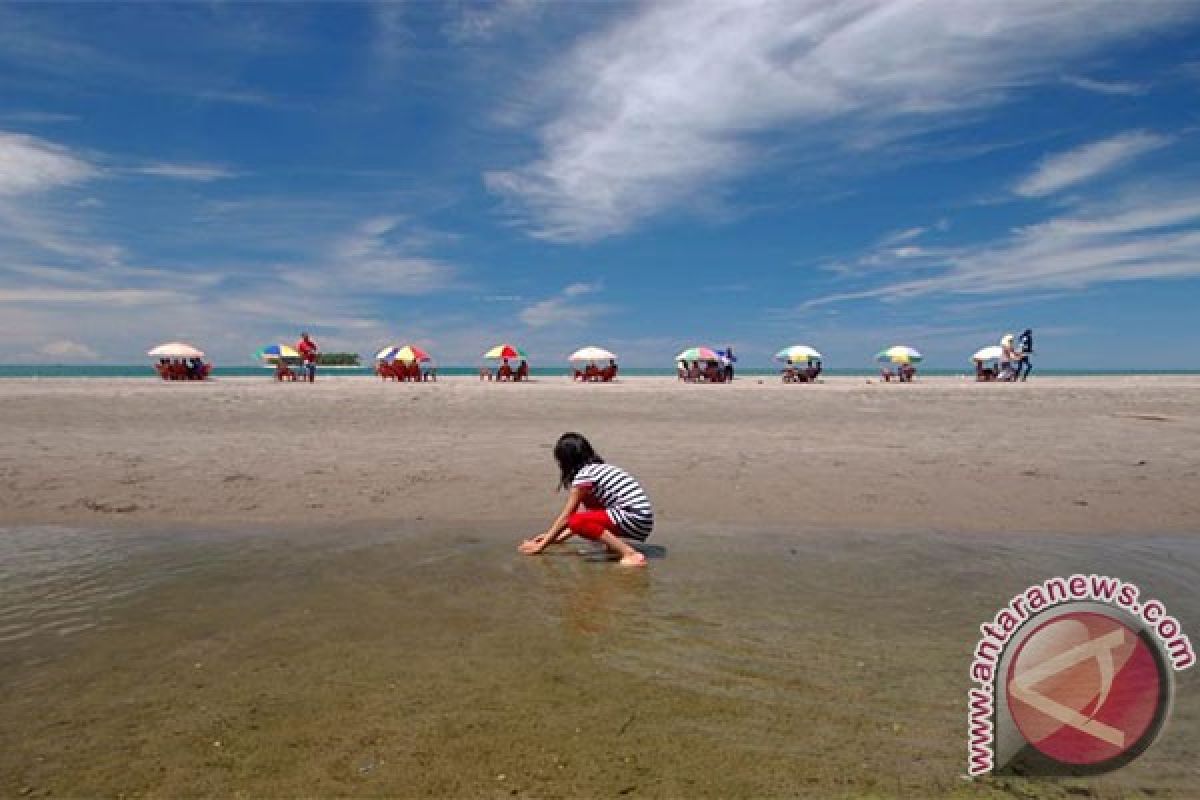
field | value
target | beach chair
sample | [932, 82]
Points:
[887, 375]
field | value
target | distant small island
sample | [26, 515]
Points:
[338, 360]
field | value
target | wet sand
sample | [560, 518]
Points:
[368, 661]
[177, 619]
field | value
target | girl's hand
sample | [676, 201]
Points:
[533, 546]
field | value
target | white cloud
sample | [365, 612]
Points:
[650, 114]
[202, 173]
[29, 164]
[1106, 87]
[1151, 234]
[1058, 172]
[564, 308]
[480, 22]
[379, 256]
[66, 349]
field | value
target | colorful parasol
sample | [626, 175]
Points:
[698, 354]
[798, 353]
[410, 353]
[506, 351]
[274, 351]
[899, 354]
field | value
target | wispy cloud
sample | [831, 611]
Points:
[1140, 236]
[68, 350]
[666, 107]
[389, 38]
[202, 173]
[1063, 170]
[1106, 87]
[483, 21]
[377, 257]
[564, 308]
[29, 164]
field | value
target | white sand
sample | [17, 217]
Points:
[1055, 454]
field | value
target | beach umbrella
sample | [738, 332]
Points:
[899, 354]
[175, 350]
[697, 354]
[277, 351]
[797, 353]
[592, 354]
[410, 353]
[388, 353]
[505, 351]
[992, 353]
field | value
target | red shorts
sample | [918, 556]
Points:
[591, 524]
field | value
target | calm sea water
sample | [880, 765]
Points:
[147, 371]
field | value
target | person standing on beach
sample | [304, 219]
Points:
[615, 511]
[1025, 350]
[727, 359]
[308, 350]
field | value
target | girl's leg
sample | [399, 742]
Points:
[629, 556]
[595, 524]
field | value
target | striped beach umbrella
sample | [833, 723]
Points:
[175, 350]
[409, 353]
[798, 353]
[388, 353]
[506, 351]
[899, 354]
[274, 351]
[991, 353]
[698, 354]
[592, 354]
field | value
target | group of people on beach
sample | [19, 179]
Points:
[405, 371]
[1015, 362]
[182, 369]
[904, 373]
[718, 370]
[505, 372]
[594, 374]
[794, 373]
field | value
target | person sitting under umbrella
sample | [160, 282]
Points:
[505, 373]
[283, 372]
[608, 373]
[522, 373]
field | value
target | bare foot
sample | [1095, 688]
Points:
[633, 560]
[530, 547]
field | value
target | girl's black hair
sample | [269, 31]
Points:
[573, 452]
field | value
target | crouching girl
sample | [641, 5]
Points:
[605, 504]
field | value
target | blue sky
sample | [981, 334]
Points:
[645, 177]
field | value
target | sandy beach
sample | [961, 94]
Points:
[243, 588]
[1063, 455]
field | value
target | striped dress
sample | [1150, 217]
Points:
[621, 496]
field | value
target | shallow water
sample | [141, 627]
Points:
[425, 660]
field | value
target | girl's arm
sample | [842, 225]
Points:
[559, 526]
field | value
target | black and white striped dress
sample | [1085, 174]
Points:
[621, 496]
